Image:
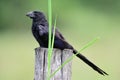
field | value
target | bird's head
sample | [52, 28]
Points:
[35, 15]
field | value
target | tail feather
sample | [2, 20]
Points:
[83, 58]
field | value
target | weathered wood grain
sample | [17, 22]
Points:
[58, 57]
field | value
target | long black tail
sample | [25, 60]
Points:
[83, 58]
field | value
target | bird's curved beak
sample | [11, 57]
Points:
[30, 14]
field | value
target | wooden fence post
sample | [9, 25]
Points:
[58, 57]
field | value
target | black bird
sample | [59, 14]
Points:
[40, 32]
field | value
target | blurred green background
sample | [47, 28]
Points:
[79, 20]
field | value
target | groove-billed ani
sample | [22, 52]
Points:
[40, 32]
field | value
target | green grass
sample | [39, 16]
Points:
[51, 42]
[51, 37]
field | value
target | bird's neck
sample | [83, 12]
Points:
[40, 22]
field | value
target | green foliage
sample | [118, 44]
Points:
[50, 47]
